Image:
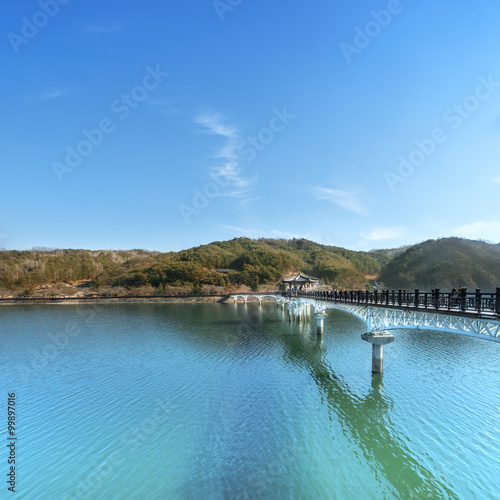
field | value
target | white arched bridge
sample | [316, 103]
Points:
[473, 314]
[255, 297]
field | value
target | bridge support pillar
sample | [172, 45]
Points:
[378, 340]
[377, 358]
[298, 313]
[320, 318]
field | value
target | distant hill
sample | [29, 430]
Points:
[254, 263]
[383, 257]
[445, 263]
[226, 266]
[251, 263]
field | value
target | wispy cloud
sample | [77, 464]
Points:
[248, 232]
[229, 169]
[485, 230]
[287, 235]
[384, 233]
[496, 180]
[53, 94]
[49, 94]
[343, 199]
[213, 122]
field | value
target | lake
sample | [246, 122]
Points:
[232, 401]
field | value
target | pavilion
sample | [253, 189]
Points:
[300, 282]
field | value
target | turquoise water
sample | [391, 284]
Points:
[223, 401]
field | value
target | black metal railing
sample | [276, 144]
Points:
[458, 301]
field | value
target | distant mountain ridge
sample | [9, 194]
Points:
[223, 266]
[445, 263]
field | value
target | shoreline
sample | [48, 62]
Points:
[116, 300]
[179, 299]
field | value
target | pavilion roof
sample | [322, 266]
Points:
[300, 278]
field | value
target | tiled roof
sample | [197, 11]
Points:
[300, 278]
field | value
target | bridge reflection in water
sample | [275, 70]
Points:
[366, 423]
[475, 315]
[365, 420]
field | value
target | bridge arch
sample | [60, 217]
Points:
[254, 297]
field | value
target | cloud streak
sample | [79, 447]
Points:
[49, 94]
[383, 233]
[229, 167]
[343, 199]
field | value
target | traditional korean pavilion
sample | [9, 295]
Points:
[300, 281]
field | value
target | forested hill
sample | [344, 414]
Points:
[225, 266]
[445, 263]
[222, 266]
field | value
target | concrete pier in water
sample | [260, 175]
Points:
[320, 317]
[378, 340]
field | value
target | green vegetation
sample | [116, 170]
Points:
[445, 263]
[223, 266]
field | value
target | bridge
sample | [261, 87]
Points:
[474, 314]
[366, 420]
[255, 297]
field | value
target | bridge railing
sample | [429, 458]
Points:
[459, 301]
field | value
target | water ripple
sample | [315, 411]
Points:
[220, 401]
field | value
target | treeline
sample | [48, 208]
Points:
[445, 263]
[41, 266]
[241, 261]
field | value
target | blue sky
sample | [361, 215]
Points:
[165, 125]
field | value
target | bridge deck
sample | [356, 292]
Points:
[467, 305]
